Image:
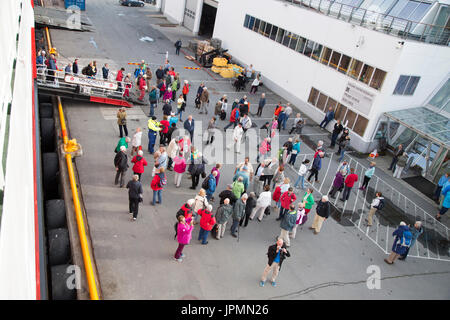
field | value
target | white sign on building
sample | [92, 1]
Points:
[357, 98]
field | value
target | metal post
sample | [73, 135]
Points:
[362, 19]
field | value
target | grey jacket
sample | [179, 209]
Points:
[289, 220]
[223, 213]
[239, 209]
[402, 161]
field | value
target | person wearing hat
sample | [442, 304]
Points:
[121, 164]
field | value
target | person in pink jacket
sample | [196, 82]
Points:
[217, 169]
[167, 94]
[184, 235]
[264, 149]
[179, 167]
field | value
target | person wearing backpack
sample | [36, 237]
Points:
[377, 204]
[402, 242]
[157, 185]
[185, 226]
[207, 222]
[186, 209]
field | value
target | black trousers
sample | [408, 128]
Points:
[195, 180]
[122, 129]
[244, 219]
[121, 174]
[365, 182]
[314, 172]
[134, 206]
[260, 109]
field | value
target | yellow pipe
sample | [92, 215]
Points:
[93, 291]
[49, 44]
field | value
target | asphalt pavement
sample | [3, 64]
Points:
[135, 259]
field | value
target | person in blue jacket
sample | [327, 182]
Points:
[416, 231]
[316, 166]
[445, 203]
[401, 244]
[328, 117]
[440, 185]
[211, 185]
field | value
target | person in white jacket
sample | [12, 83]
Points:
[172, 151]
[237, 136]
[246, 124]
[264, 200]
[136, 141]
[301, 174]
[374, 206]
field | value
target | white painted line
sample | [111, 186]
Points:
[326, 174]
[387, 238]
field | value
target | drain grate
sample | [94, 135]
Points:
[167, 25]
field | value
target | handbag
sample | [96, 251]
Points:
[203, 174]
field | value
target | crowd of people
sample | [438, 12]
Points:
[254, 187]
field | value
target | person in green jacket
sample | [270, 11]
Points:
[122, 142]
[175, 85]
[308, 200]
[238, 187]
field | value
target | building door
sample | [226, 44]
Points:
[207, 20]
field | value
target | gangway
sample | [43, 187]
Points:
[81, 87]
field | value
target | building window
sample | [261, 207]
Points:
[366, 74]
[251, 23]
[280, 35]
[326, 54]
[246, 20]
[309, 48]
[293, 43]
[360, 125]
[331, 103]
[301, 45]
[268, 29]
[355, 68]
[256, 26]
[322, 101]
[406, 85]
[351, 118]
[313, 96]
[287, 38]
[273, 32]
[262, 27]
[317, 51]
[340, 112]
[378, 79]
[335, 58]
[343, 65]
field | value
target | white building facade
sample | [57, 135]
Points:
[360, 57]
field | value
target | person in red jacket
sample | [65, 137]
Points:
[287, 199]
[349, 182]
[139, 164]
[185, 90]
[234, 118]
[163, 133]
[186, 208]
[207, 222]
[278, 110]
[158, 182]
[119, 79]
[142, 86]
[276, 194]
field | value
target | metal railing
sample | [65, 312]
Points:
[56, 79]
[355, 210]
[399, 27]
